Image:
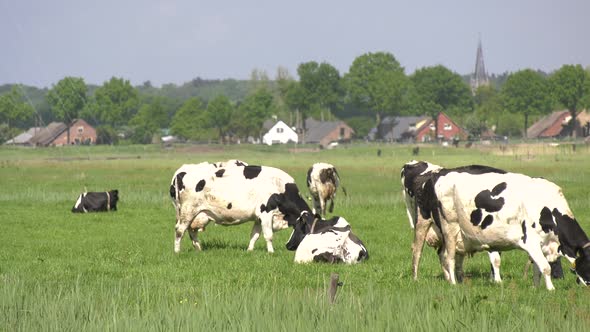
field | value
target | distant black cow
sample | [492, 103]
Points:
[97, 201]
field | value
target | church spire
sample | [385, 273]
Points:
[480, 77]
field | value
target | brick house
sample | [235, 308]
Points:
[447, 130]
[325, 132]
[80, 133]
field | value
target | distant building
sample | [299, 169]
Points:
[326, 132]
[480, 76]
[400, 128]
[557, 124]
[48, 134]
[55, 134]
[447, 130]
[280, 133]
[80, 133]
[24, 138]
[418, 129]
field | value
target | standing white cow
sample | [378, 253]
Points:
[323, 181]
[421, 203]
[234, 194]
[489, 209]
[179, 183]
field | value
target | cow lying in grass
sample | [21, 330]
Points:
[490, 209]
[232, 193]
[319, 240]
[97, 201]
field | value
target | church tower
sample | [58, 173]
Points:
[480, 77]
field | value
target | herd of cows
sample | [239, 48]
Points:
[459, 211]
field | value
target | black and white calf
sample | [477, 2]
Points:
[97, 201]
[323, 181]
[318, 240]
[421, 204]
[489, 209]
[233, 194]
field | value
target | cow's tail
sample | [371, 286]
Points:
[337, 181]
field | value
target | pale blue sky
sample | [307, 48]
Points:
[168, 41]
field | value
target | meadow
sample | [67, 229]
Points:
[117, 271]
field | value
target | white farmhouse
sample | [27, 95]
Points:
[280, 133]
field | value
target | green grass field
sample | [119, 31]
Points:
[117, 271]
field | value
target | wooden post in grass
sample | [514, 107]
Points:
[333, 287]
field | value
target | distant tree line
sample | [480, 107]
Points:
[375, 86]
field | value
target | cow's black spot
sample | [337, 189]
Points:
[476, 217]
[326, 175]
[250, 172]
[172, 191]
[229, 206]
[471, 169]
[179, 184]
[239, 163]
[534, 225]
[523, 225]
[200, 186]
[488, 220]
[220, 173]
[484, 200]
[262, 208]
[327, 257]
[309, 176]
[215, 165]
[498, 189]
[546, 220]
[313, 251]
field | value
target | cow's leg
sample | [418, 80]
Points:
[541, 264]
[179, 232]
[267, 232]
[331, 209]
[254, 235]
[420, 231]
[450, 233]
[193, 234]
[495, 265]
[459, 267]
[317, 206]
[322, 206]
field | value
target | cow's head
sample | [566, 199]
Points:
[582, 265]
[301, 228]
[114, 194]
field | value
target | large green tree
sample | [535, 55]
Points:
[320, 88]
[376, 83]
[148, 120]
[219, 112]
[438, 89]
[526, 92]
[116, 101]
[190, 121]
[67, 98]
[571, 86]
[252, 112]
[14, 108]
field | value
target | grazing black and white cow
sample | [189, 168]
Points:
[234, 194]
[421, 203]
[97, 201]
[490, 209]
[323, 181]
[318, 240]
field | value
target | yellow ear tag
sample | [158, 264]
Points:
[574, 265]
